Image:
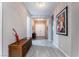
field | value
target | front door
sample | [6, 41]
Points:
[40, 30]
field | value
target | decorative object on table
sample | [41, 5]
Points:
[16, 35]
[62, 22]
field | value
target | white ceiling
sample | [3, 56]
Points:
[36, 11]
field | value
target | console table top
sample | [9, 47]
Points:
[20, 43]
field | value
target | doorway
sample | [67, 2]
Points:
[40, 27]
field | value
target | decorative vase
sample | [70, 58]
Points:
[16, 35]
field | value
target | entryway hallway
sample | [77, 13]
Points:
[60, 32]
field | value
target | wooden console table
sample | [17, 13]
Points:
[19, 49]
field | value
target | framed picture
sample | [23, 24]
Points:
[62, 22]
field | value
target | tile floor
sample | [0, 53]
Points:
[43, 49]
[42, 42]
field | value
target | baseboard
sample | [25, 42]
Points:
[64, 52]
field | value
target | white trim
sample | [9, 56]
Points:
[64, 52]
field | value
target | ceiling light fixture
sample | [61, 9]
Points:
[41, 4]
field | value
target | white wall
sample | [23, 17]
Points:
[61, 41]
[68, 44]
[14, 16]
[50, 31]
[29, 26]
[75, 29]
[0, 29]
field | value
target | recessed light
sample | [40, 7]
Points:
[41, 4]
